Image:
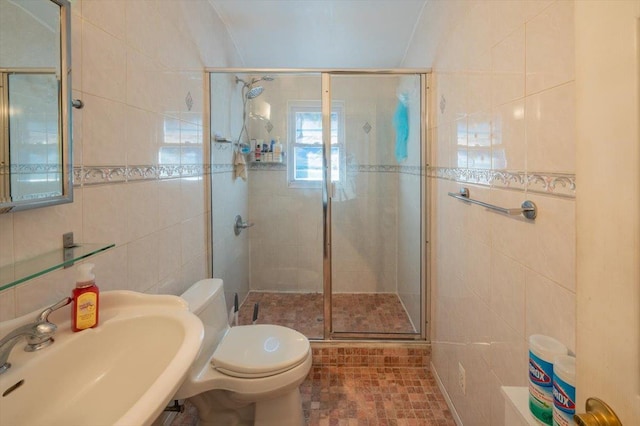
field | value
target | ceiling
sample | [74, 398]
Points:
[320, 33]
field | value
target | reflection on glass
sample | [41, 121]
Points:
[304, 129]
[461, 143]
[35, 144]
[308, 163]
[479, 145]
[308, 146]
[309, 127]
[181, 143]
[35, 155]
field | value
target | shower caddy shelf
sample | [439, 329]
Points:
[263, 155]
[223, 143]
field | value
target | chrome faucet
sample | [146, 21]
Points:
[39, 334]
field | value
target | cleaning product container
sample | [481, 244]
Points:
[542, 351]
[564, 390]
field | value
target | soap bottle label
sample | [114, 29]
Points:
[86, 308]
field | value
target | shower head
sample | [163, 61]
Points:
[254, 80]
[254, 92]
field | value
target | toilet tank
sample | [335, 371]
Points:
[206, 300]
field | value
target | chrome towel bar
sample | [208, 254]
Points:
[528, 209]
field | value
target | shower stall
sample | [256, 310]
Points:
[327, 171]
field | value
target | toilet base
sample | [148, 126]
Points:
[218, 407]
[271, 412]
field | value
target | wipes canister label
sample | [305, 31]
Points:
[540, 389]
[564, 402]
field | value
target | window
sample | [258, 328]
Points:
[304, 162]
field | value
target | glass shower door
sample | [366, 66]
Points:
[376, 220]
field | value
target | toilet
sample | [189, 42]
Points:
[244, 375]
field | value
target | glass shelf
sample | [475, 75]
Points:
[27, 269]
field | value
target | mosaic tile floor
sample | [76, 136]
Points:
[352, 312]
[373, 386]
[366, 396]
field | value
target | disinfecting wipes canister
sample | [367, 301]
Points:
[542, 352]
[564, 390]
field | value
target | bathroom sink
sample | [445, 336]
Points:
[124, 372]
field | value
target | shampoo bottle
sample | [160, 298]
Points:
[257, 151]
[85, 297]
[277, 151]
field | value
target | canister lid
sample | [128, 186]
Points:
[546, 347]
[564, 366]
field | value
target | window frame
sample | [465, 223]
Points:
[314, 106]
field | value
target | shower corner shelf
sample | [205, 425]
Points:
[267, 162]
[21, 271]
[266, 157]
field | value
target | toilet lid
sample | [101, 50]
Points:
[259, 350]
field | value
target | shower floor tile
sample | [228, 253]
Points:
[352, 312]
[300, 311]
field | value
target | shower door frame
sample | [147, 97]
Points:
[327, 190]
[325, 75]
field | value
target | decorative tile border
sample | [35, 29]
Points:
[96, 175]
[16, 170]
[267, 166]
[413, 170]
[373, 168]
[357, 168]
[27, 169]
[37, 196]
[386, 168]
[558, 184]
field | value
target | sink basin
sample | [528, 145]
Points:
[124, 372]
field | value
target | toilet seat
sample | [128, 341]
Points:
[254, 351]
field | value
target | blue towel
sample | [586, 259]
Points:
[401, 122]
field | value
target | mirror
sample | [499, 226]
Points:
[35, 101]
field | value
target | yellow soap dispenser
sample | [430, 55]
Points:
[86, 299]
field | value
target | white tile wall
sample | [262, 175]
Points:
[550, 130]
[507, 68]
[133, 64]
[495, 279]
[550, 47]
[286, 241]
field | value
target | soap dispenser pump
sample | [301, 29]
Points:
[86, 298]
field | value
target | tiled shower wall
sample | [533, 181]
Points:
[286, 242]
[229, 193]
[502, 124]
[138, 67]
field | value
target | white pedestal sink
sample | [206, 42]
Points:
[124, 372]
